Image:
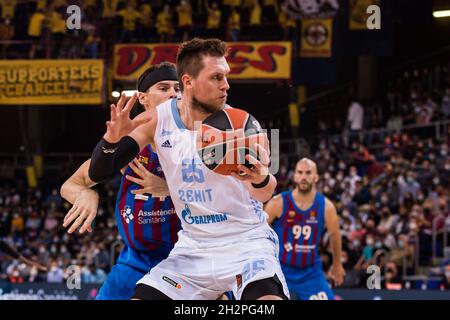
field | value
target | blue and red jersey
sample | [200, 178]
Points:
[146, 223]
[300, 231]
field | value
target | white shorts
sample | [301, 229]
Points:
[193, 271]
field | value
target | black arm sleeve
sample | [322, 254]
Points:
[6, 248]
[108, 158]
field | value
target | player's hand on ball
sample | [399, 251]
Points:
[149, 182]
[83, 212]
[260, 169]
[120, 123]
[337, 273]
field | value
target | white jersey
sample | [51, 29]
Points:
[211, 207]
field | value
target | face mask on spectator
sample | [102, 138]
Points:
[378, 244]
[436, 180]
[413, 226]
[401, 243]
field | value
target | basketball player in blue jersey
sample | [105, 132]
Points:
[224, 244]
[148, 225]
[299, 216]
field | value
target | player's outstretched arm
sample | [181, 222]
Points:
[7, 249]
[123, 140]
[337, 272]
[79, 181]
[274, 208]
[76, 190]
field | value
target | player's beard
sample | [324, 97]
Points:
[304, 191]
[204, 107]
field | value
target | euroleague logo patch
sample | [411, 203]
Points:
[172, 282]
[316, 34]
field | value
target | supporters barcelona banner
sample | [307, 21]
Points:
[316, 38]
[358, 15]
[247, 60]
[47, 82]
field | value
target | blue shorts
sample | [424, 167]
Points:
[307, 284]
[131, 266]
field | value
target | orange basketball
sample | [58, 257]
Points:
[226, 137]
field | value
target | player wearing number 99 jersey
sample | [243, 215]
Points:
[298, 217]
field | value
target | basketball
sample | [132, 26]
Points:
[226, 137]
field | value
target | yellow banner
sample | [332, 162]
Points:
[47, 82]
[247, 60]
[316, 38]
[357, 16]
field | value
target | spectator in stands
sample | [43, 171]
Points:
[269, 11]
[408, 186]
[130, 18]
[213, 22]
[255, 17]
[234, 25]
[184, 11]
[445, 104]
[287, 24]
[8, 8]
[35, 31]
[146, 20]
[164, 26]
[55, 273]
[57, 24]
[355, 119]
[110, 8]
[352, 179]
[6, 34]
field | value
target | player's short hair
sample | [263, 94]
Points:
[153, 68]
[191, 53]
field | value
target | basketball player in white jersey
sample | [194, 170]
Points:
[226, 243]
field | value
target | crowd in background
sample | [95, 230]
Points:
[106, 22]
[388, 199]
[391, 189]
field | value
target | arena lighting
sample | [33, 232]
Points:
[441, 14]
[128, 93]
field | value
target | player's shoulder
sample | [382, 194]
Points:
[329, 205]
[146, 116]
[277, 199]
